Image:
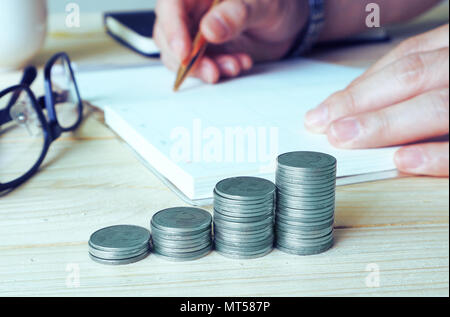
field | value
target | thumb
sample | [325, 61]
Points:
[231, 17]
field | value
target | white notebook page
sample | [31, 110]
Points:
[187, 136]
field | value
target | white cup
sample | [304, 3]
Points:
[23, 27]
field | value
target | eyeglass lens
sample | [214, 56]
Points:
[66, 98]
[22, 138]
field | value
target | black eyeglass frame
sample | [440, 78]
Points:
[51, 128]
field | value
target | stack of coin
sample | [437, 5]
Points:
[306, 186]
[244, 217]
[182, 233]
[119, 245]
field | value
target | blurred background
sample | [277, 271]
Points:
[89, 45]
[56, 6]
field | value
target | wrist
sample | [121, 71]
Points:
[310, 33]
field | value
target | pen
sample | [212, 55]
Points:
[198, 49]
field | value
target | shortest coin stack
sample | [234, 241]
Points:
[118, 245]
[306, 185]
[243, 217]
[182, 234]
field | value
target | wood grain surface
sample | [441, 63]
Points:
[91, 179]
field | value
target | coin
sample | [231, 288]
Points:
[245, 188]
[182, 233]
[119, 261]
[304, 251]
[185, 257]
[245, 255]
[310, 161]
[119, 238]
[182, 219]
[244, 209]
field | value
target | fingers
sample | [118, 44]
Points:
[432, 40]
[420, 118]
[233, 65]
[424, 159]
[207, 70]
[172, 28]
[230, 18]
[399, 81]
[171, 34]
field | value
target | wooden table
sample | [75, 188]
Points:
[392, 237]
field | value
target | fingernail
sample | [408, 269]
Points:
[220, 28]
[208, 74]
[345, 130]
[230, 67]
[409, 158]
[317, 118]
[178, 48]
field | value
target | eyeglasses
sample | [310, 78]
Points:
[29, 125]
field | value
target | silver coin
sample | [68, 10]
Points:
[182, 219]
[305, 188]
[306, 191]
[304, 234]
[304, 211]
[295, 229]
[298, 227]
[244, 215]
[245, 188]
[297, 244]
[292, 202]
[304, 251]
[303, 184]
[319, 187]
[264, 204]
[120, 238]
[303, 224]
[185, 257]
[296, 204]
[304, 242]
[311, 175]
[242, 212]
[309, 198]
[173, 250]
[307, 175]
[243, 233]
[119, 262]
[246, 243]
[245, 256]
[181, 244]
[218, 215]
[244, 238]
[242, 249]
[298, 191]
[247, 202]
[254, 225]
[304, 218]
[180, 237]
[118, 255]
[187, 241]
[306, 161]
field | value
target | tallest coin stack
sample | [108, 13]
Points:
[306, 186]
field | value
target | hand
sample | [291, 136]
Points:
[403, 98]
[242, 32]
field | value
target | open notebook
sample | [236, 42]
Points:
[204, 133]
